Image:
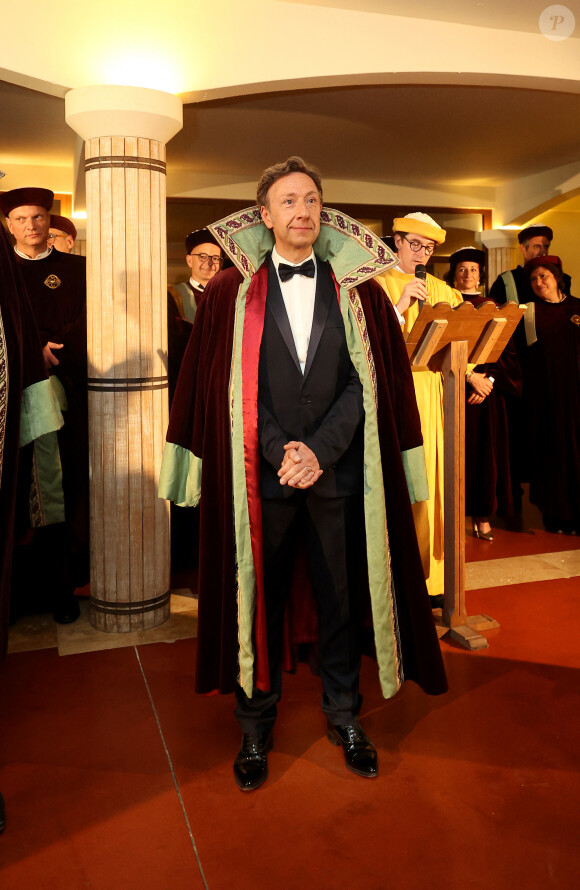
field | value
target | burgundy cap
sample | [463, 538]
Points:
[63, 224]
[535, 230]
[201, 236]
[542, 261]
[26, 197]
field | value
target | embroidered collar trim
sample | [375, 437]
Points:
[354, 251]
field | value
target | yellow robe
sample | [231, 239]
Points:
[428, 515]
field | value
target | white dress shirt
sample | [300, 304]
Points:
[298, 294]
[40, 256]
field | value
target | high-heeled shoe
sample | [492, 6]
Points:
[484, 536]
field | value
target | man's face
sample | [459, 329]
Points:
[204, 262]
[293, 213]
[60, 240]
[409, 258]
[29, 225]
[537, 246]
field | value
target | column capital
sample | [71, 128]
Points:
[498, 238]
[110, 110]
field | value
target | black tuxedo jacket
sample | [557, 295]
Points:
[322, 407]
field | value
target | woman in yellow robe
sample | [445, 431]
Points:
[416, 237]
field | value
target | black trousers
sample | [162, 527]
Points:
[333, 533]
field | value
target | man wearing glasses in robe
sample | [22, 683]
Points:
[417, 237]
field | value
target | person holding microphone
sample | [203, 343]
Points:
[408, 286]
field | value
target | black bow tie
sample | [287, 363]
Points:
[286, 272]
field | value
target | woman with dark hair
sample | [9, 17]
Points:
[551, 366]
[489, 387]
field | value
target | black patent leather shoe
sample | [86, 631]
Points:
[251, 763]
[359, 752]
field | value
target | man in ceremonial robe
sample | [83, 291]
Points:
[295, 407]
[204, 259]
[416, 238]
[62, 233]
[56, 286]
[28, 409]
[514, 285]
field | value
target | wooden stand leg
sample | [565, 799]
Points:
[454, 621]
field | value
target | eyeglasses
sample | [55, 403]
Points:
[52, 237]
[206, 258]
[416, 246]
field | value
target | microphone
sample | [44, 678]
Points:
[421, 274]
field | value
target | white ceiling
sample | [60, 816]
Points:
[509, 15]
[422, 136]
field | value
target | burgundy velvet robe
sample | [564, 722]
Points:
[552, 398]
[488, 484]
[200, 422]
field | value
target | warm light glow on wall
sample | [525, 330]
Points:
[144, 69]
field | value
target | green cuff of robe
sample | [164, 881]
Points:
[39, 412]
[180, 477]
[416, 474]
[47, 495]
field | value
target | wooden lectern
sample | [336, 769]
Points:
[446, 339]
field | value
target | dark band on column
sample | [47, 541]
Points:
[108, 161]
[126, 384]
[136, 607]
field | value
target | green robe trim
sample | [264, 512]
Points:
[46, 505]
[46, 493]
[380, 576]
[40, 412]
[180, 476]
[416, 473]
[511, 291]
[246, 576]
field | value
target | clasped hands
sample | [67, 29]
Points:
[300, 467]
[481, 386]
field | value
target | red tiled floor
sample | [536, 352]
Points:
[540, 622]
[508, 544]
[85, 777]
[477, 789]
[467, 780]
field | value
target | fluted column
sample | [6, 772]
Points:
[502, 251]
[125, 131]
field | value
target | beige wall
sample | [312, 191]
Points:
[566, 227]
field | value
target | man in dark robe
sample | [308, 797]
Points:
[296, 406]
[62, 233]
[514, 285]
[204, 259]
[56, 286]
[27, 410]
